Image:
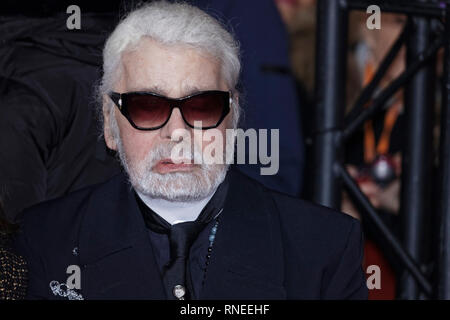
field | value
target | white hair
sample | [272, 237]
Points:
[171, 24]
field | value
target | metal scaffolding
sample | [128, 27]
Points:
[427, 30]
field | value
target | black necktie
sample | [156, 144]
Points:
[181, 237]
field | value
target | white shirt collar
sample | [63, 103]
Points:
[175, 211]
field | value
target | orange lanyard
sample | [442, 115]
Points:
[382, 148]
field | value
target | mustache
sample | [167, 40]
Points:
[165, 151]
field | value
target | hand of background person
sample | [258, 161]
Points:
[387, 198]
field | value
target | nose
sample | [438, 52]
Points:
[175, 122]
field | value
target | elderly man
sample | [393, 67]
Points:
[171, 226]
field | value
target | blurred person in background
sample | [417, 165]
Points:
[13, 269]
[378, 143]
[366, 49]
[299, 17]
[47, 125]
[383, 135]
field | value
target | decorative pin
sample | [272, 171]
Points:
[61, 289]
[179, 291]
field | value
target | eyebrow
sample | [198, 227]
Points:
[187, 90]
[154, 89]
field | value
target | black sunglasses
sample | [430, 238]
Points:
[151, 111]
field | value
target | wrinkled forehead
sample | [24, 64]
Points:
[170, 70]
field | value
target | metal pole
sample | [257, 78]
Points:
[331, 52]
[380, 100]
[368, 91]
[443, 278]
[417, 155]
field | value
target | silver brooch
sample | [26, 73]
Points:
[61, 289]
[179, 291]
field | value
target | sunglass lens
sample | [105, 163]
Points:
[206, 107]
[147, 111]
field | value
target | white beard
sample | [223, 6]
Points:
[184, 186]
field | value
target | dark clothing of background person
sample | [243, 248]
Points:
[268, 246]
[48, 133]
[13, 273]
[13, 269]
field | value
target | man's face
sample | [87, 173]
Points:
[175, 72]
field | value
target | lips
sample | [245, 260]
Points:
[167, 165]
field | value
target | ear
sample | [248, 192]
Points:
[107, 130]
[236, 97]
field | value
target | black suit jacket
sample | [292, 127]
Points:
[268, 246]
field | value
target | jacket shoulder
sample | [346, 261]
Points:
[324, 227]
[322, 247]
[293, 209]
[304, 224]
[60, 218]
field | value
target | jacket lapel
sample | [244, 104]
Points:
[247, 257]
[115, 251]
